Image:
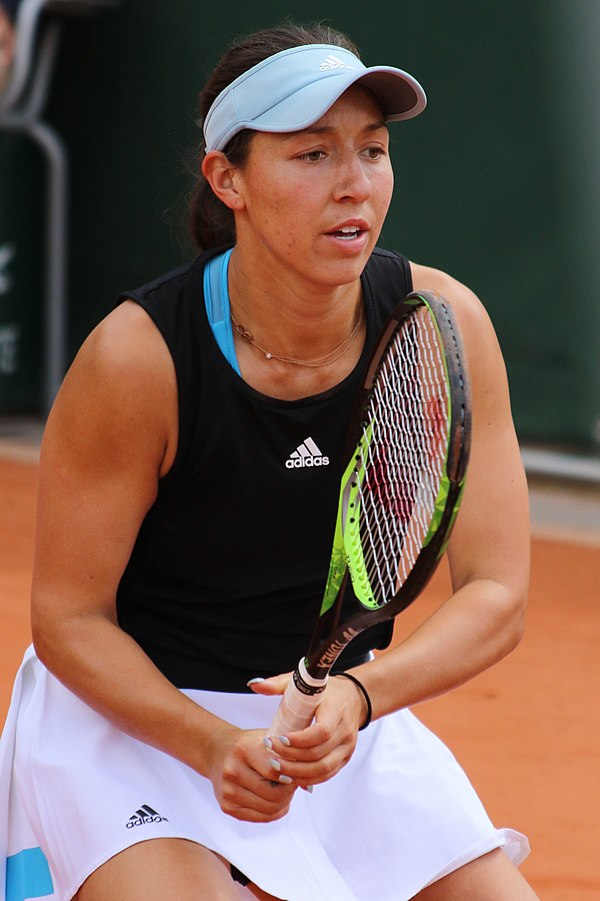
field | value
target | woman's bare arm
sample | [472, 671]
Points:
[110, 437]
[489, 561]
[489, 549]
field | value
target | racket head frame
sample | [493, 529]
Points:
[331, 636]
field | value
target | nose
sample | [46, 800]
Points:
[353, 182]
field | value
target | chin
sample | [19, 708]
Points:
[346, 271]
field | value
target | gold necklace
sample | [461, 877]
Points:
[338, 351]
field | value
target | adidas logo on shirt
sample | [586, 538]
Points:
[145, 815]
[332, 62]
[306, 454]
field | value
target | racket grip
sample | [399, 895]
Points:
[299, 702]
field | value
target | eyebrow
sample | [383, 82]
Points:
[329, 129]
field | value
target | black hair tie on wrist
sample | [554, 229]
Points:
[365, 695]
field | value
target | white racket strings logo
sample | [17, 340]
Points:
[306, 455]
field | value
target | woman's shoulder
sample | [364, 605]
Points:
[121, 387]
[468, 308]
[427, 278]
[133, 341]
[127, 341]
[486, 362]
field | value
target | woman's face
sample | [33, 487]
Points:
[312, 203]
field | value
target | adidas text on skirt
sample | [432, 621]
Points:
[74, 791]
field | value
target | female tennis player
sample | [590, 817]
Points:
[187, 498]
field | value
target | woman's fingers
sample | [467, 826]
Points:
[307, 760]
[258, 775]
[255, 806]
[246, 786]
[276, 685]
[318, 752]
[308, 745]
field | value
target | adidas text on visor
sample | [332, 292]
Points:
[292, 89]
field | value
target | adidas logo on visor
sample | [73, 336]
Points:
[306, 455]
[332, 62]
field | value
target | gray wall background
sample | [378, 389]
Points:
[498, 182]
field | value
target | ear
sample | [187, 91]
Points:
[220, 175]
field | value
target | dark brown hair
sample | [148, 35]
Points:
[211, 222]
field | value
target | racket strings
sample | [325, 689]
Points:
[402, 460]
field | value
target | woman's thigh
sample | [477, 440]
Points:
[161, 868]
[491, 877]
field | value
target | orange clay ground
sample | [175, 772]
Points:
[527, 732]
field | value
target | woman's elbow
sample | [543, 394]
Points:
[515, 610]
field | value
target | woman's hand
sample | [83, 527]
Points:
[318, 752]
[245, 784]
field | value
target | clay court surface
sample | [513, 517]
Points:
[527, 732]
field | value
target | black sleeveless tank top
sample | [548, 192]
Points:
[226, 577]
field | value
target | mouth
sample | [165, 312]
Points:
[348, 232]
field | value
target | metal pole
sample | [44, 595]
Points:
[56, 260]
[55, 251]
[20, 110]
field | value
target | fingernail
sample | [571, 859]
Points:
[285, 780]
[275, 764]
[285, 741]
[268, 743]
[255, 680]
[308, 788]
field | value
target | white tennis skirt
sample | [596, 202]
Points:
[74, 791]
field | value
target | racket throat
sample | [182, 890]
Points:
[328, 622]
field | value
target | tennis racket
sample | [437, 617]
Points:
[400, 492]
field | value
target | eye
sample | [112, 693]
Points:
[313, 156]
[374, 153]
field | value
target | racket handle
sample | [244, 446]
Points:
[299, 702]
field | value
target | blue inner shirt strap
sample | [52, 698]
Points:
[216, 300]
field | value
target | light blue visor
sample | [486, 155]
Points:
[293, 89]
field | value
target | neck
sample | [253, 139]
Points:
[290, 319]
